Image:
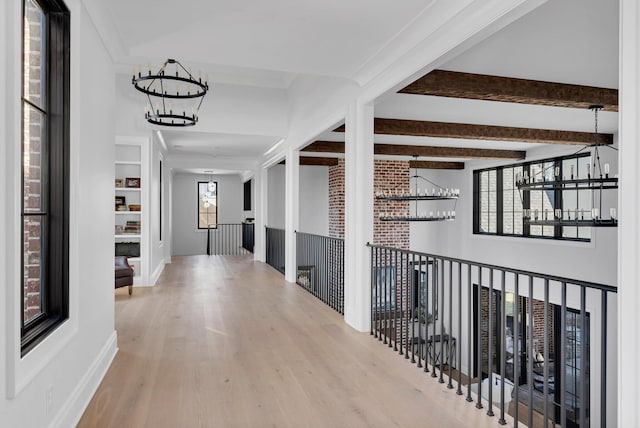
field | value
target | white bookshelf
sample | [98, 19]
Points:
[132, 161]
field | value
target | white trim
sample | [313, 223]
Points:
[73, 408]
[629, 230]
[156, 274]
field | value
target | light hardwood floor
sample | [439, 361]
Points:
[225, 342]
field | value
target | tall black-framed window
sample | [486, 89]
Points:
[45, 169]
[207, 210]
[498, 204]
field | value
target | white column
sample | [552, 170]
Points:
[292, 197]
[358, 214]
[629, 229]
[261, 204]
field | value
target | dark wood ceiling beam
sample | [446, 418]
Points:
[418, 128]
[325, 147]
[435, 165]
[424, 151]
[455, 84]
[313, 160]
[447, 152]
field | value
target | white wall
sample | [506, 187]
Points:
[275, 199]
[156, 245]
[186, 238]
[72, 360]
[313, 201]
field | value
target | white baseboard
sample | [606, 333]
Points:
[156, 274]
[167, 260]
[72, 410]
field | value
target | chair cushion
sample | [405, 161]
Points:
[123, 271]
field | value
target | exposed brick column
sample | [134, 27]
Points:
[387, 175]
[336, 200]
[391, 175]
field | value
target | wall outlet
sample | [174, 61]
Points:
[49, 400]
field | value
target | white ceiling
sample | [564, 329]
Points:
[256, 44]
[330, 37]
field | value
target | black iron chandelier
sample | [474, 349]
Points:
[174, 97]
[416, 194]
[598, 180]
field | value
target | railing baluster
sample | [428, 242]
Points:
[584, 337]
[603, 359]
[374, 252]
[413, 302]
[503, 347]
[403, 282]
[440, 299]
[449, 342]
[479, 340]
[409, 310]
[459, 352]
[422, 312]
[516, 347]
[546, 351]
[469, 333]
[530, 351]
[395, 302]
[562, 350]
[490, 345]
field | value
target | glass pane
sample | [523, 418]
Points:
[492, 200]
[517, 223]
[484, 201]
[32, 269]
[484, 181]
[32, 158]
[493, 221]
[507, 225]
[484, 221]
[584, 232]
[569, 232]
[34, 54]
[569, 168]
[507, 179]
[584, 165]
[535, 230]
[493, 181]
[207, 204]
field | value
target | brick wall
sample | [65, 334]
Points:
[32, 140]
[336, 200]
[387, 175]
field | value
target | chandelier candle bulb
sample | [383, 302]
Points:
[613, 213]
[557, 172]
[558, 213]
[595, 213]
[606, 170]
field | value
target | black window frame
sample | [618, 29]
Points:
[198, 206]
[526, 199]
[54, 286]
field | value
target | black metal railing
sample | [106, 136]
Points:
[320, 271]
[225, 239]
[275, 248]
[507, 335]
[248, 236]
